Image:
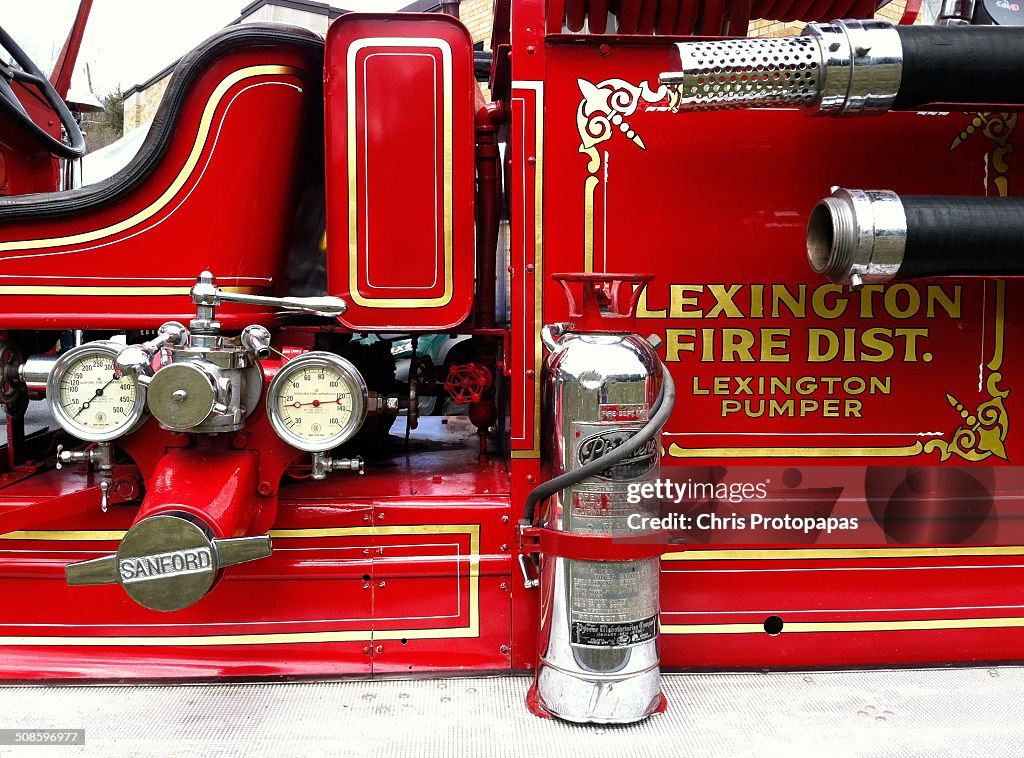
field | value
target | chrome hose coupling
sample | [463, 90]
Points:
[843, 68]
[857, 237]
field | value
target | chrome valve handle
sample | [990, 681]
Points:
[137, 360]
[205, 293]
[167, 562]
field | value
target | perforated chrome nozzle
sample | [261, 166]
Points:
[840, 68]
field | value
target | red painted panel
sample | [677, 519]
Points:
[219, 199]
[400, 170]
[441, 573]
[716, 204]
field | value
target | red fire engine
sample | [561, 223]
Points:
[736, 365]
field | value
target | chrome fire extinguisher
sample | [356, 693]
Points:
[606, 397]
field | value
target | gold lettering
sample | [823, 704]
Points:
[707, 341]
[937, 296]
[757, 301]
[874, 339]
[910, 349]
[674, 344]
[773, 340]
[642, 311]
[821, 308]
[806, 385]
[880, 384]
[815, 352]
[724, 297]
[737, 342]
[892, 306]
[678, 303]
[795, 304]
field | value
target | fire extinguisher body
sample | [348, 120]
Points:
[598, 657]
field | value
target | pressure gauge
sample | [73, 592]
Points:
[317, 401]
[89, 398]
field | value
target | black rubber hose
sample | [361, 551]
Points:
[961, 64]
[966, 236]
[660, 412]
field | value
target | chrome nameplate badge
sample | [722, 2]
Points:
[163, 565]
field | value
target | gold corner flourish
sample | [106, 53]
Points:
[603, 109]
[983, 431]
[997, 128]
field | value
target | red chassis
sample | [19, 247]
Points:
[889, 406]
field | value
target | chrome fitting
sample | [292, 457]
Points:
[35, 373]
[857, 237]
[843, 68]
[324, 464]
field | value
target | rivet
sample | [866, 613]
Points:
[379, 649]
[604, 49]
[530, 373]
[532, 160]
[504, 649]
[530, 49]
[530, 478]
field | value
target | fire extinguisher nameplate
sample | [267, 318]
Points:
[612, 604]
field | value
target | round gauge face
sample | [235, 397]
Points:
[89, 398]
[317, 401]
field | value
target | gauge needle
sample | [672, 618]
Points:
[99, 392]
[316, 403]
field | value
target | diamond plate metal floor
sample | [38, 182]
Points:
[958, 712]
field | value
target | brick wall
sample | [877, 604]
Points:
[478, 16]
[141, 106]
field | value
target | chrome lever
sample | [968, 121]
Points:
[166, 562]
[206, 293]
[137, 360]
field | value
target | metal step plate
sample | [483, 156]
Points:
[948, 712]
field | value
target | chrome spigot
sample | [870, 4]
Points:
[101, 457]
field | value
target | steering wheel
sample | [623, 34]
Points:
[30, 73]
